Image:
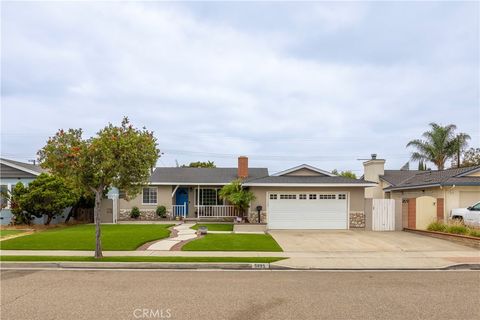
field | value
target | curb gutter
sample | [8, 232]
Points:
[5, 265]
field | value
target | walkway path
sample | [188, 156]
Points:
[183, 233]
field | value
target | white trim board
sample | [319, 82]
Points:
[304, 166]
[309, 184]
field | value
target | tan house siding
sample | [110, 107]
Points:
[453, 197]
[164, 197]
[373, 170]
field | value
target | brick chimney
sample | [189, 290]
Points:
[242, 167]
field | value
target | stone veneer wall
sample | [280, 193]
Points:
[145, 215]
[357, 219]
[253, 217]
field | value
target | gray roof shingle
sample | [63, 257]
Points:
[26, 166]
[179, 175]
[442, 178]
[395, 177]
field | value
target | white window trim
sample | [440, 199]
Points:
[150, 204]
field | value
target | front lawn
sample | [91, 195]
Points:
[6, 233]
[142, 259]
[214, 226]
[233, 242]
[82, 237]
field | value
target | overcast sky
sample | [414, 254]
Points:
[284, 83]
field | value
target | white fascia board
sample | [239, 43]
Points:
[310, 184]
[186, 183]
[413, 187]
[19, 167]
[468, 172]
[304, 166]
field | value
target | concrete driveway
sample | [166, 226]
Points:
[360, 241]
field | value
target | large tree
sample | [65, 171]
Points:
[47, 195]
[471, 157]
[120, 156]
[201, 164]
[439, 144]
[347, 174]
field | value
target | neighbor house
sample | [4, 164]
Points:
[426, 196]
[12, 172]
[303, 197]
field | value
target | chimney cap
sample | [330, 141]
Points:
[374, 156]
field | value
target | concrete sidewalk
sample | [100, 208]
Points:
[304, 260]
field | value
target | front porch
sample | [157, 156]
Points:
[200, 202]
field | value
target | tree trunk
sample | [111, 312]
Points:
[49, 219]
[71, 213]
[96, 210]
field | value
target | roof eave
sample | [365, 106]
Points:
[257, 184]
[7, 163]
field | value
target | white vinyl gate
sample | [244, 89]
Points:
[383, 215]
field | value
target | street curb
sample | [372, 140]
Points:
[134, 265]
[5, 265]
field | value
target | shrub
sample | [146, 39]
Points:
[437, 226]
[135, 213]
[474, 233]
[457, 229]
[161, 211]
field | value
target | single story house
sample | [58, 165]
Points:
[426, 195]
[12, 172]
[303, 197]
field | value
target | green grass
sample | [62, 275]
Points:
[214, 226]
[6, 233]
[82, 237]
[142, 259]
[233, 242]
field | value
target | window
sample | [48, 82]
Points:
[342, 196]
[208, 197]
[273, 197]
[302, 196]
[3, 198]
[288, 196]
[312, 196]
[122, 194]
[326, 196]
[149, 196]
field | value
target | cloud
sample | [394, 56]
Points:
[214, 87]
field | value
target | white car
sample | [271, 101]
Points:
[470, 215]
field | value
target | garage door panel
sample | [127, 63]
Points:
[307, 214]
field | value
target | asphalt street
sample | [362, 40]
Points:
[154, 294]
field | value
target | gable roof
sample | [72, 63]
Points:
[22, 166]
[431, 178]
[395, 177]
[304, 166]
[308, 181]
[200, 176]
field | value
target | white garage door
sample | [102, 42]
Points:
[307, 210]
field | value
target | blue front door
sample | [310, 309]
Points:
[182, 197]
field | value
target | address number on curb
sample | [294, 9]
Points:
[260, 265]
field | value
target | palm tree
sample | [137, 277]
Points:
[439, 144]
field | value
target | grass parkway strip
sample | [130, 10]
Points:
[233, 242]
